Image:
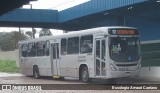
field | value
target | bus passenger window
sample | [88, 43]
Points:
[24, 49]
[31, 50]
[86, 44]
[41, 49]
[73, 45]
[63, 47]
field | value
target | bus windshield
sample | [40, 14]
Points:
[124, 49]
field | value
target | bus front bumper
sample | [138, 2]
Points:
[117, 74]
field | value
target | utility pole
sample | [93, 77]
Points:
[33, 32]
[31, 6]
[19, 29]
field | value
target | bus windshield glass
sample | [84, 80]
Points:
[124, 49]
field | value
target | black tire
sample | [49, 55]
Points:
[85, 75]
[36, 72]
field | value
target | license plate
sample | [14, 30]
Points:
[123, 69]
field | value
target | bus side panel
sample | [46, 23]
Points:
[69, 65]
[43, 64]
[90, 65]
[63, 66]
[25, 67]
[88, 60]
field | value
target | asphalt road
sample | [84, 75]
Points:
[17, 78]
[71, 85]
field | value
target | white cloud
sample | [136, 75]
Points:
[8, 29]
[54, 4]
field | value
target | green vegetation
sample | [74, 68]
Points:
[9, 40]
[8, 66]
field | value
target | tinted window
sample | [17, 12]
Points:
[63, 46]
[31, 50]
[24, 50]
[98, 48]
[73, 45]
[86, 44]
[103, 50]
[55, 51]
[41, 49]
[124, 49]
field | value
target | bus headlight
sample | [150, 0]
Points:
[112, 67]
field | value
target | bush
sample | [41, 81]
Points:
[8, 66]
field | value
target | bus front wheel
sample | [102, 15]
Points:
[36, 72]
[84, 74]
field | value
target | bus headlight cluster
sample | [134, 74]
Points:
[112, 67]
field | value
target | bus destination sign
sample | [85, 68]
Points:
[123, 32]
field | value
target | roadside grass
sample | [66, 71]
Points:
[8, 66]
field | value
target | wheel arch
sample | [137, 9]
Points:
[80, 69]
[34, 67]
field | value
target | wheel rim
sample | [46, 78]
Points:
[85, 76]
[35, 73]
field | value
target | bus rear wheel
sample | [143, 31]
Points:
[36, 72]
[85, 74]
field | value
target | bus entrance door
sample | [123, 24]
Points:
[55, 62]
[100, 58]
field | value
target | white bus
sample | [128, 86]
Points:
[104, 52]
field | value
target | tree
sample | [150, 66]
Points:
[9, 41]
[29, 34]
[16, 37]
[6, 41]
[34, 32]
[45, 32]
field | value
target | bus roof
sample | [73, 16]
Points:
[76, 33]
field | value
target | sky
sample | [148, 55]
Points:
[46, 4]
[54, 4]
